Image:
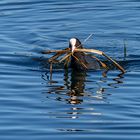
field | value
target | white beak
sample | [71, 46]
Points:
[73, 48]
[73, 43]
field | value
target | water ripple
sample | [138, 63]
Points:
[72, 105]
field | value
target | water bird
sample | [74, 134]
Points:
[80, 58]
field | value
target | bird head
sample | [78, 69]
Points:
[74, 43]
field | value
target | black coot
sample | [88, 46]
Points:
[85, 62]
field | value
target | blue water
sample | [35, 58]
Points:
[74, 105]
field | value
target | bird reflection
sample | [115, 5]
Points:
[77, 86]
[117, 81]
[72, 90]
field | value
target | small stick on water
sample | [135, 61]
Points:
[65, 57]
[102, 64]
[67, 61]
[55, 51]
[85, 40]
[88, 38]
[124, 49]
[51, 71]
[89, 51]
[103, 54]
[115, 63]
[55, 57]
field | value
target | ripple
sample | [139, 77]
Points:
[80, 106]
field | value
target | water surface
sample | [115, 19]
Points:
[74, 105]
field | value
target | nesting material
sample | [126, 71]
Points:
[66, 54]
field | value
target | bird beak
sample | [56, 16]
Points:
[73, 48]
[73, 44]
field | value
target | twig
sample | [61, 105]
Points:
[124, 49]
[89, 51]
[87, 38]
[115, 63]
[79, 61]
[67, 62]
[102, 64]
[103, 54]
[65, 57]
[51, 71]
[56, 51]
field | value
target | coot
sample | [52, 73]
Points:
[80, 60]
